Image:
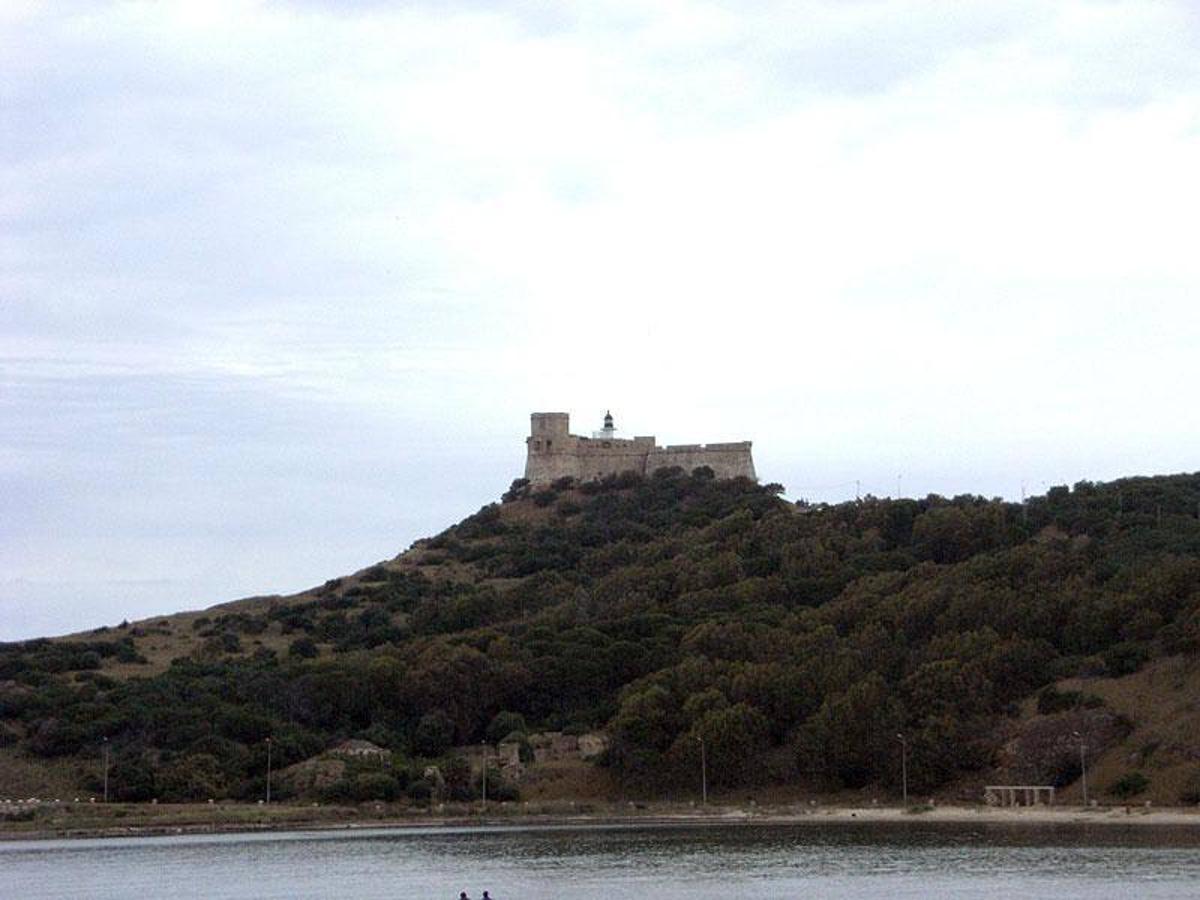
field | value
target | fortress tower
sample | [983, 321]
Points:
[553, 452]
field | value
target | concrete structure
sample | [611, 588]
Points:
[552, 452]
[508, 755]
[549, 746]
[360, 749]
[1012, 794]
[592, 745]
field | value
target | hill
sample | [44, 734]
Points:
[795, 641]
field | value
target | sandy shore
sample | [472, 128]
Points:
[1038, 815]
[125, 820]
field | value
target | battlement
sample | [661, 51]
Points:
[735, 445]
[552, 452]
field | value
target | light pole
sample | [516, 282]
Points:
[703, 773]
[268, 770]
[105, 770]
[485, 761]
[903, 765]
[1082, 767]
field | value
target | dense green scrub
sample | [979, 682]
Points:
[794, 641]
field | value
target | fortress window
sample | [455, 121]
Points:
[548, 444]
[537, 445]
[607, 444]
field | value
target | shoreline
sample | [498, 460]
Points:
[137, 820]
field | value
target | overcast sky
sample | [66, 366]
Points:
[280, 283]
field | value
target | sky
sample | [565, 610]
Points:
[281, 282]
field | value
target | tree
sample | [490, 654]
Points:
[734, 739]
[851, 738]
[433, 735]
[643, 730]
[503, 724]
[197, 776]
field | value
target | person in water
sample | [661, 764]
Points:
[462, 895]
[487, 896]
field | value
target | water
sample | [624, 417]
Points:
[589, 863]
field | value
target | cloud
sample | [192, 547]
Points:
[264, 263]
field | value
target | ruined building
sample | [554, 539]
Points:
[553, 453]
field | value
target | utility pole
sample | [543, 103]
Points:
[268, 770]
[1083, 766]
[105, 770]
[703, 773]
[903, 765]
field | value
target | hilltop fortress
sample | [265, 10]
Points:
[553, 453]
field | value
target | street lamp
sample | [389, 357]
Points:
[105, 770]
[268, 770]
[485, 762]
[1082, 766]
[903, 765]
[703, 773]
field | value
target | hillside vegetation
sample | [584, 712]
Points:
[795, 641]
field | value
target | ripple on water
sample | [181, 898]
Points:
[846, 861]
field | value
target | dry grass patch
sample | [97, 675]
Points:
[1163, 703]
[564, 780]
[22, 777]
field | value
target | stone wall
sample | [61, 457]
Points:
[546, 466]
[726, 460]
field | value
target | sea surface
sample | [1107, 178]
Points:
[589, 863]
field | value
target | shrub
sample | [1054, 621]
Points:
[420, 791]
[517, 491]
[338, 791]
[196, 776]
[1051, 700]
[1191, 789]
[53, 737]
[499, 788]
[225, 642]
[503, 724]
[1129, 785]
[375, 786]
[127, 653]
[131, 778]
[1126, 658]
[381, 735]
[457, 772]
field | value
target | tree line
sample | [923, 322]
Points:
[791, 641]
